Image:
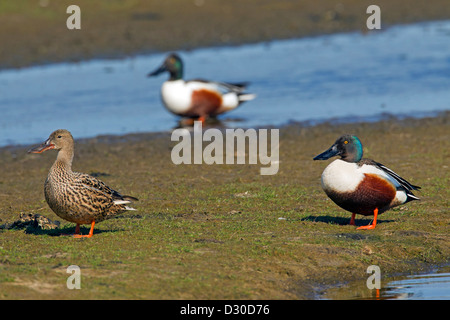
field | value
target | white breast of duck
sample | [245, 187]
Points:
[176, 96]
[344, 177]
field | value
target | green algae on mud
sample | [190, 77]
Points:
[203, 227]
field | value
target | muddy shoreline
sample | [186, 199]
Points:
[35, 32]
[203, 227]
[230, 234]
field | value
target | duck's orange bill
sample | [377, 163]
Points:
[43, 147]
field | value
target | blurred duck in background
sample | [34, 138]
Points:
[198, 99]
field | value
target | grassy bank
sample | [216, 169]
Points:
[218, 231]
[214, 231]
[35, 32]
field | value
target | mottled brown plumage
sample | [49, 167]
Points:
[77, 197]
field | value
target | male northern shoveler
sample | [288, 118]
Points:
[360, 185]
[77, 197]
[197, 99]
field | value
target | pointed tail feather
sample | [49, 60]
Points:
[411, 197]
[130, 198]
[246, 97]
[121, 202]
[126, 200]
[241, 85]
[235, 87]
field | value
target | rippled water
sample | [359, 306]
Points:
[399, 70]
[428, 286]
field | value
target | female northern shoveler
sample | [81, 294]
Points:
[359, 185]
[77, 197]
[197, 99]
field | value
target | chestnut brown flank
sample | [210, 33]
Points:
[205, 102]
[373, 192]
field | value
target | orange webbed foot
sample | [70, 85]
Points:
[368, 227]
[77, 234]
[373, 224]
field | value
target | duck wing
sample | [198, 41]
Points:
[234, 87]
[224, 86]
[399, 182]
[99, 191]
[405, 184]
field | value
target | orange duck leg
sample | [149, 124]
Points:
[373, 224]
[77, 231]
[352, 220]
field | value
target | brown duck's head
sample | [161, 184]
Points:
[58, 140]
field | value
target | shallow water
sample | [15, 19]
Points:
[400, 70]
[434, 285]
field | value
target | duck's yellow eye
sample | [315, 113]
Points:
[345, 142]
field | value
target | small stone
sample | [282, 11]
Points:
[33, 221]
[367, 250]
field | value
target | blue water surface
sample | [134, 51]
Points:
[402, 70]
